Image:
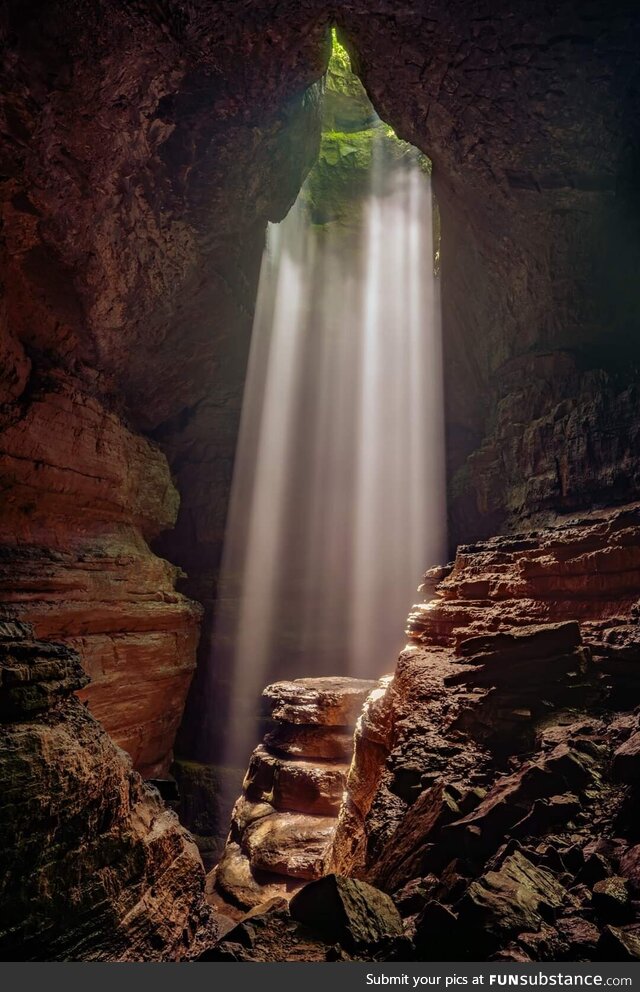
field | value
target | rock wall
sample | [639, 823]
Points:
[143, 151]
[500, 763]
[141, 160]
[94, 867]
[528, 116]
[82, 496]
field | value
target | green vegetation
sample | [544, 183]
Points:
[354, 140]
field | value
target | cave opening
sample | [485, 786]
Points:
[338, 492]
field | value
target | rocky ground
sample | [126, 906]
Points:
[494, 779]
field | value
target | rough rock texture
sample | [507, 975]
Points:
[504, 752]
[527, 115]
[348, 912]
[331, 919]
[283, 824]
[93, 866]
[82, 496]
[143, 150]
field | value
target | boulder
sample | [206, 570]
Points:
[299, 741]
[405, 855]
[437, 937]
[517, 898]
[297, 785]
[630, 867]
[619, 944]
[581, 935]
[547, 813]
[595, 868]
[625, 766]
[347, 911]
[611, 899]
[238, 884]
[267, 934]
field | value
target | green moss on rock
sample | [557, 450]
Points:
[354, 143]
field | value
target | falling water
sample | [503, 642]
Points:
[338, 493]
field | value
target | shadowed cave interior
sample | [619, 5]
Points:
[433, 323]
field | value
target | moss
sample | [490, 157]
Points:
[353, 140]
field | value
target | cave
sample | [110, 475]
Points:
[459, 785]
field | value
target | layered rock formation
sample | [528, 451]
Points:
[94, 867]
[134, 203]
[505, 752]
[282, 825]
[332, 919]
[139, 168]
[143, 150]
[494, 778]
[82, 496]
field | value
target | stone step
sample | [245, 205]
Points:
[332, 701]
[238, 884]
[296, 740]
[295, 785]
[290, 844]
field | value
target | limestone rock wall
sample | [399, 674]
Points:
[527, 114]
[142, 153]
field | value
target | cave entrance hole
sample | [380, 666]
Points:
[338, 496]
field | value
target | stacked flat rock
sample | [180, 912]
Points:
[283, 823]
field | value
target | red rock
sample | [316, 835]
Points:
[619, 944]
[78, 566]
[404, 856]
[291, 844]
[296, 785]
[241, 886]
[502, 903]
[581, 935]
[332, 743]
[347, 911]
[630, 867]
[611, 900]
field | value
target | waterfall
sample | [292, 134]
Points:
[338, 500]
